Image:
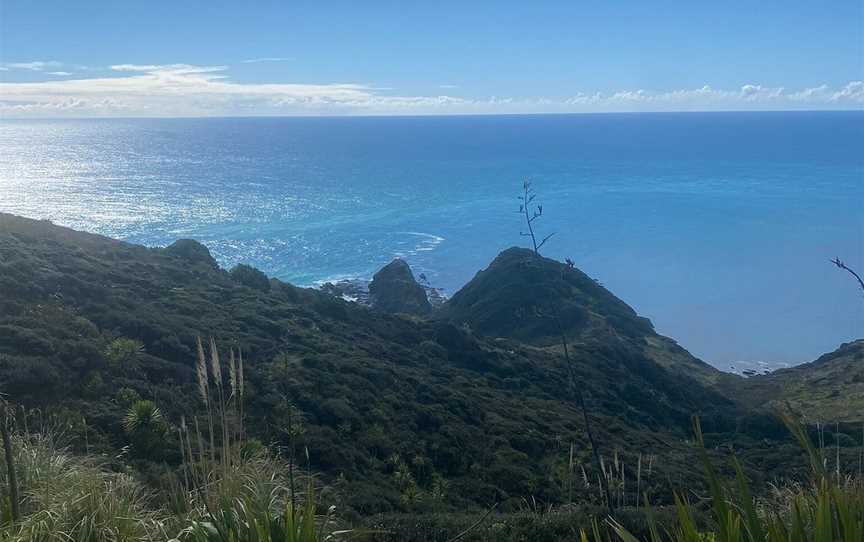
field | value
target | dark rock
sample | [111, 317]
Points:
[353, 290]
[393, 289]
[435, 296]
[192, 251]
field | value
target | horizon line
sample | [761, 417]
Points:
[432, 115]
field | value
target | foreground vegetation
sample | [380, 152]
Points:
[70, 498]
[232, 489]
[827, 508]
[251, 499]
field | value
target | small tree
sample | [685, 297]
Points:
[531, 213]
[146, 428]
[123, 353]
[841, 265]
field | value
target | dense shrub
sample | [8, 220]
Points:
[251, 277]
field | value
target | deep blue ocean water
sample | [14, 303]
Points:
[717, 226]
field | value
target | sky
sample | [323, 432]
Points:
[221, 58]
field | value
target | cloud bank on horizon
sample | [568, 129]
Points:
[183, 90]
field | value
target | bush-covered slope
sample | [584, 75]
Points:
[402, 412]
[530, 298]
[830, 389]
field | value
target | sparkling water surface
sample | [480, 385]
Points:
[716, 226]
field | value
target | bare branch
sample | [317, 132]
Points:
[543, 242]
[9, 456]
[474, 525]
[576, 392]
[841, 265]
[531, 215]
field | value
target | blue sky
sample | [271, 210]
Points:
[192, 58]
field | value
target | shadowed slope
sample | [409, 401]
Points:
[524, 296]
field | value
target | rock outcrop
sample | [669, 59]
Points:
[394, 289]
[191, 250]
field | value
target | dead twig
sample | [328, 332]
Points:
[10, 461]
[474, 525]
[531, 214]
[841, 265]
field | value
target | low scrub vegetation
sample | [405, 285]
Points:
[254, 498]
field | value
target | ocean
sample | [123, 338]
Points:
[717, 226]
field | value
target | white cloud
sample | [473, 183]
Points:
[853, 91]
[36, 65]
[188, 90]
[706, 98]
[448, 87]
[266, 59]
[59, 73]
[176, 69]
[821, 93]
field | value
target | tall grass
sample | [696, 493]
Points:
[264, 517]
[225, 490]
[627, 483]
[72, 499]
[231, 494]
[826, 509]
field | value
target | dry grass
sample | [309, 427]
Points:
[69, 499]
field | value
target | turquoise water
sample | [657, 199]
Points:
[716, 226]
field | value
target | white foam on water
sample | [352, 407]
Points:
[427, 243]
[339, 278]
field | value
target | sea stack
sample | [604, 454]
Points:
[394, 289]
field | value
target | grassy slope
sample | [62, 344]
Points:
[489, 415]
[830, 389]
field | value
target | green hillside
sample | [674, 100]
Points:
[532, 299]
[459, 410]
[828, 390]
